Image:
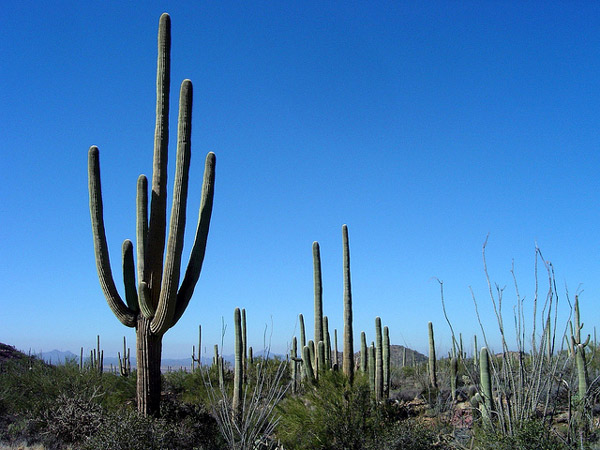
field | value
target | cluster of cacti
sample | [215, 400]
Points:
[97, 357]
[156, 301]
[125, 361]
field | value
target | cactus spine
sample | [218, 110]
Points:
[158, 303]
[432, 360]
[348, 356]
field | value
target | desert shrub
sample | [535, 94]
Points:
[407, 435]
[532, 435]
[127, 430]
[332, 415]
[75, 416]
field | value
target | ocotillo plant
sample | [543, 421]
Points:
[432, 360]
[238, 370]
[348, 356]
[158, 303]
[378, 360]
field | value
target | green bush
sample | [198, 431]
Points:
[332, 415]
[533, 435]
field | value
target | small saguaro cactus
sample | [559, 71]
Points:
[97, 358]
[156, 301]
[432, 359]
[199, 358]
[485, 377]
[327, 342]
[307, 365]
[348, 356]
[579, 351]
[372, 367]
[363, 352]
[302, 331]
[378, 360]
[319, 336]
[245, 348]
[386, 362]
[238, 371]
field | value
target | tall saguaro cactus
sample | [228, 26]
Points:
[432, 359]
[348, 356]
[156, 302]
[318, 293]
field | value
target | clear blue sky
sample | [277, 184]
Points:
[424, 126]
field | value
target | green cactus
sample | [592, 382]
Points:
[238, 370]
[327, 343]
[216, 357]
[319, 336]
[487, 400]
[579, 351]
[294, 364]
[378, 360]
[302, 331]
[250, 356]
[313, 356]
[371, 360]
[307, 365]
[244, 348]
[336, 365]
[125, 361]
[432, 359]
[348, 355]
[364, 362]
[386, 362]
[97, 358]
[453, 377]
[199, 358]
[158, 303]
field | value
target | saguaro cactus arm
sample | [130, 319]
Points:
[158, 202]
[125, 315]
[194, 267]
[165, 311]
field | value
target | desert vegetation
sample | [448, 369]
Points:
[538, 392]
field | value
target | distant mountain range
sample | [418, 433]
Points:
[59, 357]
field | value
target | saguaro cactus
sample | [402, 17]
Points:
[157, 303]
[579, 350]
[348, 356]
[386, 362]
[378, 360]
[319, 336]
[238, 370]
[363, 352]
[485, 377]
[432, 359]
